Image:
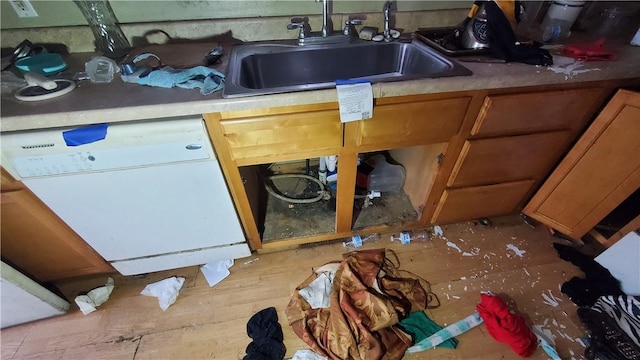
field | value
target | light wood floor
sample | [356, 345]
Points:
[210, 322]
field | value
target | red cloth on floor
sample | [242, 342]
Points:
[505, 326]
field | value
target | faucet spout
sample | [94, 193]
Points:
[325, 18]
[386, 12]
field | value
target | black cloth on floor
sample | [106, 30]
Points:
[598, 280]
[504, 44]
[266, 332]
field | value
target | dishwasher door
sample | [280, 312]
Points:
[143, 205]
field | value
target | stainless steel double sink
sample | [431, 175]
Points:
[269, 68]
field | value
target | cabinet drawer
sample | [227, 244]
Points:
[410, 124]
[490, 161]
[480, 201]
[283, 137]
[532, 112]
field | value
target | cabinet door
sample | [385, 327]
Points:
[35, 240]
[480, 201]
[534, 112]
[601, 170]
[490, 161]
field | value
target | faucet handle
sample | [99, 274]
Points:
[348, 24]
[299, 23]
[353, 22]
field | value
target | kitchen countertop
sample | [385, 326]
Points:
[118, 101]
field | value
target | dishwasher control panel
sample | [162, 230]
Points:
[109, 159]
[47, 152]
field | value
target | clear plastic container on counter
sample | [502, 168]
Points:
[559, 19]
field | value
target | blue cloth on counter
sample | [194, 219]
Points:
[208, 80]
[85, 135]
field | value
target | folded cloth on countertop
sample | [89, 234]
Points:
[208, 80]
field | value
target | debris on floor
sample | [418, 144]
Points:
[359, 280]
[216, 271]
[307, 354]
[165, 290]
[94, 298]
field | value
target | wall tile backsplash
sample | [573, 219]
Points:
[80, 38]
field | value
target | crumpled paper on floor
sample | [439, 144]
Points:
[216, 271]
[307, 354]
[96, 297]
[165, 290]
[318, 292]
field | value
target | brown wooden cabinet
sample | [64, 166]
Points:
[416, 129]
[598, 174]
[514, 142]
[37, 242]
[466, 155]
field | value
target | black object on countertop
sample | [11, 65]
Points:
[504, 44]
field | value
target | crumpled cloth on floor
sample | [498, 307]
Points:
[265, 330]
[368, 298]
[506, 327]
[420, 327]
[208, 80]
[597, 280]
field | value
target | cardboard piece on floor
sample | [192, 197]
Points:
[621, 259]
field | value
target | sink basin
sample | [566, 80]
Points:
[269, 68]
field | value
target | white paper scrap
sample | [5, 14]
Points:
[355, 101]
[216, 271]
[516, 250]
[165, 290]
[96, 297]
[307, 354]
[318, 292]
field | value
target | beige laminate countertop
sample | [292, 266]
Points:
[118, 101]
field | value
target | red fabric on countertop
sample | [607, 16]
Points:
[505, 326]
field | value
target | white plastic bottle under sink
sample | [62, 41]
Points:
[384, 176]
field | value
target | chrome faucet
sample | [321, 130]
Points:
[386, 10]
[325, 18]
[326, 35]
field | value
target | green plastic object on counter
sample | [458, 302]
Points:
[44, 64]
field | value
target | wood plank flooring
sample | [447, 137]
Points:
[510, 259]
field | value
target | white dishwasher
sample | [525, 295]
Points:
[149, 196]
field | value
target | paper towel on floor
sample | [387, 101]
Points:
[318, 292]
[307, 354]
[96, 297]
[165, 290]
[216, 271]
